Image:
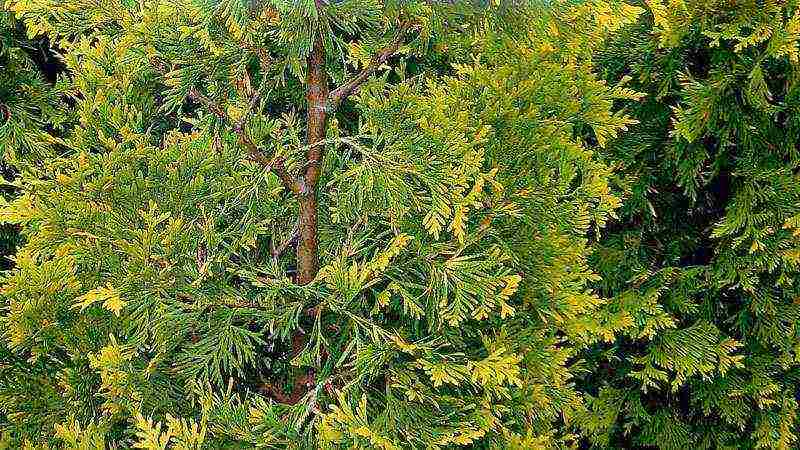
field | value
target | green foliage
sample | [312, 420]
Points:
[703, 267]
[27, 104]
[539, 225]
[153, 306]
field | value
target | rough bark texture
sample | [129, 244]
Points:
[317, 98]
[320, 103]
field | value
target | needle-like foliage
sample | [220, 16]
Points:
[704, 264]
[353, 224]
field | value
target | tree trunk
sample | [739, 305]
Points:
[307, 260]
[317, 97]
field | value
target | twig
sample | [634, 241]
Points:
[342, 92]
[239, 127]
[276, 252]
[274, 164]
[209, 104]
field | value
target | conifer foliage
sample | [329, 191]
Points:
[400, 224]
[310, 224]
[28, 104]
[704, 263]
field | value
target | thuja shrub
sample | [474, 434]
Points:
[705, 258]
[354, 224]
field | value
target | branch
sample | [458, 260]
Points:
[342, 92]
[188, 300]
[276, 252]
[276, 164]
[209, 104]
[239, 127]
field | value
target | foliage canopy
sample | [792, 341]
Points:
[384, 224]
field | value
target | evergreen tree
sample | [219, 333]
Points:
[31, 112]
[703, 267]
[352, 224]
[28, 104]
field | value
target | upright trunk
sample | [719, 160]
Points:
[307, 260]
[317, 97]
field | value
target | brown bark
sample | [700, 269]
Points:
[307, 245]
[319, 100]
[317, 116]
[342, 92]
[320, 103]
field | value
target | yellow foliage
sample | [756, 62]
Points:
[108, 295]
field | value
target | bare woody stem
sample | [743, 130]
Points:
[342, 92]
[276, 164]
[320, 103]
[317, 116]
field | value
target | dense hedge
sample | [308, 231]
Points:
[379, 224]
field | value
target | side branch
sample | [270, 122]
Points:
[338, 95]
[280, 249]
[276, 164]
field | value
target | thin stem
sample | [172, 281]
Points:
[275, 164]
[316, 96]
[342, 92]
